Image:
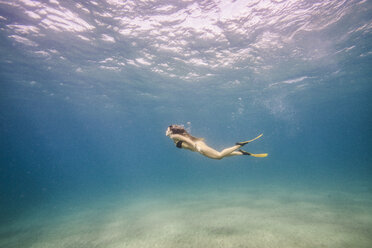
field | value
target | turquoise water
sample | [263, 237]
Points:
[88, 89]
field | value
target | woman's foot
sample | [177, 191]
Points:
[260, 155]
[246, 142]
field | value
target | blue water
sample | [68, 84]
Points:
[88, 89]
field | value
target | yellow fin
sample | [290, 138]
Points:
[260, 155]
[259, 136]
[248, 141]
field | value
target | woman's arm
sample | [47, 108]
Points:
[182, 138]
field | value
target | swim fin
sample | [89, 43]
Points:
[246, 142]
[259, 155]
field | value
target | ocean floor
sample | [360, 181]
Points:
[234, 217]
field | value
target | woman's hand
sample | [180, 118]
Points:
[190, 143]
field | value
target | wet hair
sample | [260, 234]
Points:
[178, 129]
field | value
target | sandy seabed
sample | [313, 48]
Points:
[235, 217]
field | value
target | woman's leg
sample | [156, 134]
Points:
[211, 153]
[234, 153]
[230, 151]
[221, 155]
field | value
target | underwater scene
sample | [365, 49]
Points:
[89, 91]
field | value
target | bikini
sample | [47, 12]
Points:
[179, 144]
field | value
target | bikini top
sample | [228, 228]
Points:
[179, 144]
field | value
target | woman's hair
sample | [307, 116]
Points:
[178, 129]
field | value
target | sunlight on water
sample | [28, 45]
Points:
[203, 38]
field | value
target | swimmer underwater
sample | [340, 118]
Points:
[184, 140]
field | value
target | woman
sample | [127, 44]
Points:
[183, 139]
